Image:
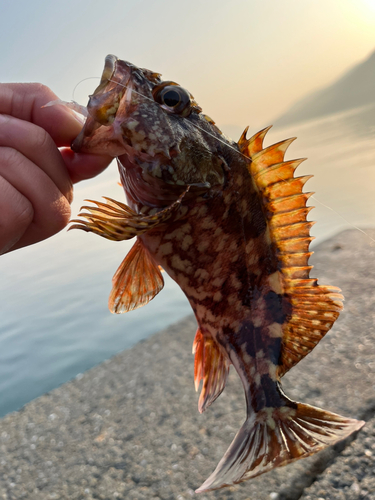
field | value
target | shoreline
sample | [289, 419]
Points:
[129, 427]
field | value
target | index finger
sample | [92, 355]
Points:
[25, 101]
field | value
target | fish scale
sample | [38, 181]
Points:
[228, 222]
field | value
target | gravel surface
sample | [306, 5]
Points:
[352, 475]
[129, 428]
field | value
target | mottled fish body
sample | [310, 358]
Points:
[227, 221]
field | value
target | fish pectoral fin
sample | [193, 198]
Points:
[116, 221]
[136, 281]
[112, 220]
[274, 437]
[211, 365]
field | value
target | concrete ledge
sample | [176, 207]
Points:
[129, 428]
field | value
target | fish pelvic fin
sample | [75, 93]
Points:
[116, 221]
[313, 308]
[137, 280]
[211, 365]
[274, 437]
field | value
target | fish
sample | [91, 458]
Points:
[228, 222]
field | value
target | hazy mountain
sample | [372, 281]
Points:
[355, 88]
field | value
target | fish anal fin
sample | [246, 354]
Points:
[211, 365]
[274, 437]
[136, 281]
[198, 350]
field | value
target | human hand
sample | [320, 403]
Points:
[36, 178]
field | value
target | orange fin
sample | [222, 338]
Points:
[211, 365]
[253, 145]
[136, 281]
[277, 436]
[116, 221]
[314, 308]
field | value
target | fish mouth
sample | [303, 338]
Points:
[112, 126]
[108, 72]
[104, 102]
[102, 109]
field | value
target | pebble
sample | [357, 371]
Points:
[129, 428]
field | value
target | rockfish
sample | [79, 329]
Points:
[228, 222]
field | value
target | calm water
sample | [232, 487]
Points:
[55, 322]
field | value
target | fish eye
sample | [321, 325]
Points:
[173, 99]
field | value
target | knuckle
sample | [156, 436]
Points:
[60, 215]
[41, 140]
[69, 194]
[10, 156]
[24, 215]
[22, 97]
[40, 90]
[16, 216]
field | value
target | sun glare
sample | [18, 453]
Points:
[370, 4]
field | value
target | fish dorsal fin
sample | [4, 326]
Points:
[250, 147]
[211, 365]
[314, 308]
[136, 281]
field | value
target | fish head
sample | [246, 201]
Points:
[156, 130]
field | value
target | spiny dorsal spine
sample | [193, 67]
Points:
[314, 307]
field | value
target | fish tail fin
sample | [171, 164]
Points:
[274, 437]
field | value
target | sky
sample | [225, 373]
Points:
[245, 61]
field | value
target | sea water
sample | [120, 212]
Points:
[55, 323]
